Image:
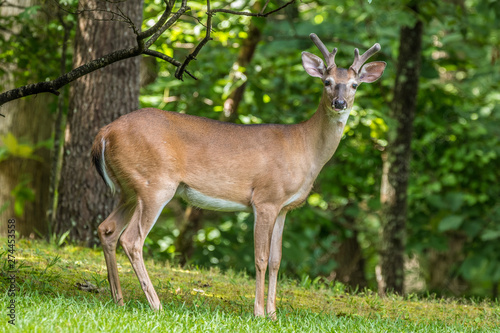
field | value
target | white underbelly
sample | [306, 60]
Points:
[201, 200]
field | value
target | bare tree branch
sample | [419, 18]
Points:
[261, 14]
[169, 23]
[54, 85]
[265, 6]
[167, 59]
[166, 20]
[210, 12]
[180, 70]
[160, 23]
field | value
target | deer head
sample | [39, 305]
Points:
[340, 84]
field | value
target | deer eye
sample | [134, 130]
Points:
[328, 82]
[354, 85]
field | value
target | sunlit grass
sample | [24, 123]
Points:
[201, 300]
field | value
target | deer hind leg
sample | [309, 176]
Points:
[109, 232]
[265, 217]
[274, 264]
[145, 215]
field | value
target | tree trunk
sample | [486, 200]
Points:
[28, 119]
[95, 100]
[245, 56]
[345, 250]
[191, 223]
[441, 265]
[396, 160]
[351, 264]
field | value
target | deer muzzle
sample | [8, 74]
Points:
[340, 104]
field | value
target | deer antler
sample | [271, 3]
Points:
[329, 56]
[359, 61]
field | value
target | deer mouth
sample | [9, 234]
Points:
[339, 105]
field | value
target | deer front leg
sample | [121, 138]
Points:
[274, 264]
[265, 218]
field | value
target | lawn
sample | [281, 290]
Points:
[65, 289]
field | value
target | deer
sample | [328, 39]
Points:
[153, 155]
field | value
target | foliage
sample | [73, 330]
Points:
[48, 298]
[275, 65]
[30, 45]
[11, 147]
[452, 200]
[454, 151]
[453, 196]
[32, 40]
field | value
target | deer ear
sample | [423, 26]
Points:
[313, 64]
[372, 71]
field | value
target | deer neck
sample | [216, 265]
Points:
[324, 131]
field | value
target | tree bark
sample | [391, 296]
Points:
[95, 100]
[345, 250]
[189, 227]
[30, 121]
[351, 264]
[396, 159]
[245, 55]
[441, 265]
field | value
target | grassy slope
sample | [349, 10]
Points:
[208, 300]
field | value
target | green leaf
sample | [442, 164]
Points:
[22, 193]
[4, 154]
[29, 12]
[49, 143]
[19, 207]
[451, 222]
[24, 151]
[10, 142]
[317, 200]
[63, 238]
[454, 200]
[14, 148]
[449, 179]
[490, 235]
[4, 206]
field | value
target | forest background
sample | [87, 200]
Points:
[435, 144]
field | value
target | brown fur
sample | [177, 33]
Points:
[152, 154]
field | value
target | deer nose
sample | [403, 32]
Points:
[340, 104]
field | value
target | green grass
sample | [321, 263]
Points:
[199, 300]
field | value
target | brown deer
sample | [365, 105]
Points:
[152, 155]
